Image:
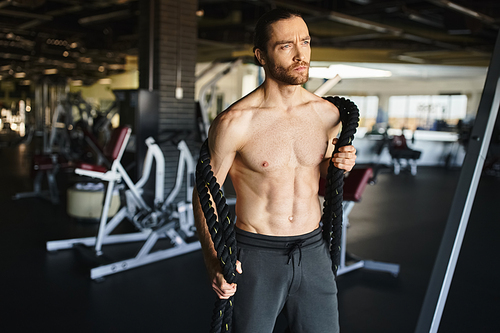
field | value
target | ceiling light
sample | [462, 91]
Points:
[76, 82]
[116, 66]
[408, 58]
[101, 69]
[86, 60]
[347, 72]
[200, 13]
[25, 82]
[20, 75]
[105, 81]
[50, 71]
[65, 53]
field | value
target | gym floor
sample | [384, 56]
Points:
[400, 219]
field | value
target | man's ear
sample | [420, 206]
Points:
[260, 56]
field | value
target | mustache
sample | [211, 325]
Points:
[300, 64]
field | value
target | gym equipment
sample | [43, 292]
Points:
[48, 165]
[164, 219]
[451, 243]
[221, 227]
[62, 149]
[85, 201]
[354, 186]
[403, 155]
[332, 206]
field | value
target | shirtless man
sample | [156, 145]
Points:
[275, 143]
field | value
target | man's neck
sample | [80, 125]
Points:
[279, 94]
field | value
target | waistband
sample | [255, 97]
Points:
[250, 239]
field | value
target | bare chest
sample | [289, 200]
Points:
[285, 143]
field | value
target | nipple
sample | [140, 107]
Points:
[290, 218]
[265, 164]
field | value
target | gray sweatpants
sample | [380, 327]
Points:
[289, 274]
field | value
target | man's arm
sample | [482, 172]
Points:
[344, 159]
[223, 142]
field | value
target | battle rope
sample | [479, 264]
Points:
[332, 206]
[222, 232]
[222, 228]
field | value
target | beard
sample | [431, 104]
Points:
[288, 75]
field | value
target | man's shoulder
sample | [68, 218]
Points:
[321, 104]
[233, 115]
[232, 122]
[239, 112]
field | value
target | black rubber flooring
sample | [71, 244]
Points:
[400, 219]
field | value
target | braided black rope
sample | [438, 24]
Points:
[221, 228]
[332, 206]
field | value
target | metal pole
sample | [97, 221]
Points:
[151, 44]
[444, 267]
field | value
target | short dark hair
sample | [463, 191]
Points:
[261, 34]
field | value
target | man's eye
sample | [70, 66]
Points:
[307, 42]
[286, 46]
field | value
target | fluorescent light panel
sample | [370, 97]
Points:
[347, 72]
[50, 71]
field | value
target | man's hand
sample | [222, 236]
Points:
[345, 158]
[223, 289]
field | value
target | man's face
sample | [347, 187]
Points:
[289, 51]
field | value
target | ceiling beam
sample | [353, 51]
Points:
[466, 11]
[340, 18]
[13, 13]
[105, 17]
[365, 24]
[5, 3]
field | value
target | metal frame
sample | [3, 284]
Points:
[451, 243]
[360, 263]
[183, 212]
[209, 87]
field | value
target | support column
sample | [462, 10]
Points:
[167, 63]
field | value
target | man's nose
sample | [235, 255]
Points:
[299, 54]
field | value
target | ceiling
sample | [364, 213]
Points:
[91, 39]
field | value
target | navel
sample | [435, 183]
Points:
[265, 164]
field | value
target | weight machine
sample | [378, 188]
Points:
[165, 219]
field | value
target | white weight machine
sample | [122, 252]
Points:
[165, 219]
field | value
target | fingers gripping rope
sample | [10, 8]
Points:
[332, 207]
[221, 228]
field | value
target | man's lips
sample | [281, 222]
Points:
[300, 68]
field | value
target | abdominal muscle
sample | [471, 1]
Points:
[283, 203]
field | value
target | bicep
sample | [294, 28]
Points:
[332, 134]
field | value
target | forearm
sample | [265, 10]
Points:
[207, 246]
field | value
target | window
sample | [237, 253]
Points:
[368, 109]
[431, 112]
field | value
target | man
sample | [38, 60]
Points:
[274, 143]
